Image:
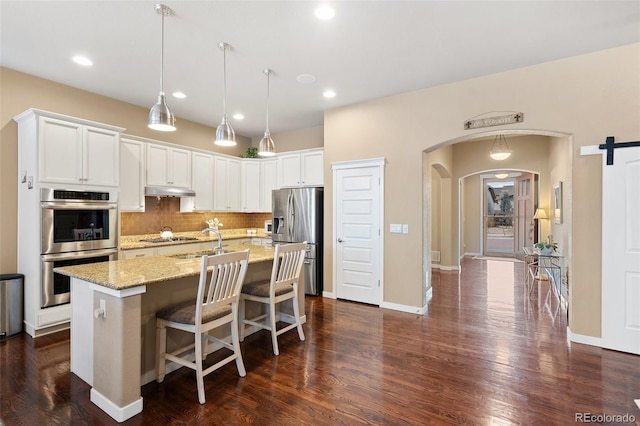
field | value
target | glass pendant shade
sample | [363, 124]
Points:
[160, 117]
[266, 147]
[500, 150]
[225, 136]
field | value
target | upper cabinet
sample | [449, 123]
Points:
[60, 150]
[226, 184]
[202, 166]
[258, 179]
[168, 166]
[305, 168]
[132, 170]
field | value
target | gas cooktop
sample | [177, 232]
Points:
[168, 240]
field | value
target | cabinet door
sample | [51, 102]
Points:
[250, 186]
[157, 165]
[60, 151]
[180, 168]
[202, 181]
[289, 170]
[233, 183]
[312, 168]
[132, 162]
[220, 184]
[268, 182]
[101, 152]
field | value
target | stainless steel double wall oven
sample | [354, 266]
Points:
[78, 227]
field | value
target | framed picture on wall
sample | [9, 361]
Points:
[557, 202]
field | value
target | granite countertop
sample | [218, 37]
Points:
[128, 273]
[130, 242]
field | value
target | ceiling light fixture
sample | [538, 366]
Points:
[225, 136]
[238, 116]
[329, 94]
[266, 147]
[500, 150]
[502, 175]
[325, 12]
[82, 60]
[179, 95]
[160, 116]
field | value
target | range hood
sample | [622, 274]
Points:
[164, 191]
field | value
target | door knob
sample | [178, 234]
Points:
[340, 240]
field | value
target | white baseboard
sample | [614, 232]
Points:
[43, 331]
[404, 308]
[329, 295]
[445, 268]
[585, 340]
[120, 414]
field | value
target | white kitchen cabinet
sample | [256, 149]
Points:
[132, 170]
[202, 166]
[226, 184]
[303, 168]
[137, 253]
[268, 182]
[250, 191]
[168, 166]
[259, 178]
[78, 154]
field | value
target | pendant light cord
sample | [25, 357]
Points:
[224, 80]
[162, 55]
[268, 79]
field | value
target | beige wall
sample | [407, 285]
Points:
[20, 92]
[587, 97]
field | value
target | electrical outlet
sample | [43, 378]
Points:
[395, 228]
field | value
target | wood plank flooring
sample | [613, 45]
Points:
[483, 354]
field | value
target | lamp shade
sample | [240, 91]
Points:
[225, 136]
[160, 116]
[266, 147]
[500, 150]
[540, 214]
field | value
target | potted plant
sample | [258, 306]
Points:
[251, 152]
[546, 247]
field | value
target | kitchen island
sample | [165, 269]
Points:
[113, 306]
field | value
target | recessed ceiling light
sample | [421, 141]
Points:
[82, 60]
[329, 94]
[179, 95]
[238, 116]
[325, 12]
[306, 78]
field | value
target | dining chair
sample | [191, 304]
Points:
[215, 305]
[283, 286]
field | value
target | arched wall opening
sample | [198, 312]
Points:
[547, 153]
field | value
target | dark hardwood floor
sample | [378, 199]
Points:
[484, 353]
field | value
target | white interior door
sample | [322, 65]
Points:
[621, 251]
[357, 230]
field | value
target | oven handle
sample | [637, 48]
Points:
[76, 206]
[76, 254]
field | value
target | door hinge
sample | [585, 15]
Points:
[378, 283]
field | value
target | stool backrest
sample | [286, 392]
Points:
[287, 265]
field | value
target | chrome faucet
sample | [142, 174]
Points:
[218, 249]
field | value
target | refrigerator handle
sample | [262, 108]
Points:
[292, 216]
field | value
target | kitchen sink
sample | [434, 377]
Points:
[169, 240]
[199, 254]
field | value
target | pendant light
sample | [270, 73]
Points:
[500, 150]
[225, 136]
[160, 116]
[267, 148]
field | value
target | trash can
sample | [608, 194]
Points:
[11, 302]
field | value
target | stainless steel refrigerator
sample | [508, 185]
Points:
[297, 217]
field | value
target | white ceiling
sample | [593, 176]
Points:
[371, 49]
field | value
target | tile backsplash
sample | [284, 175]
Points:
[166, 212]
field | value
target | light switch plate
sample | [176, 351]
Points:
[395, 228]
[405, 228]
